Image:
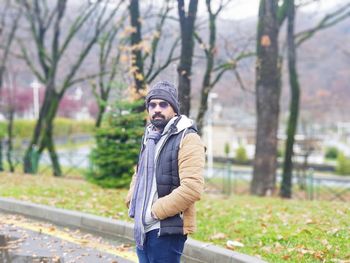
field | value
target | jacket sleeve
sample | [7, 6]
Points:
[131, 191]
[191, 161]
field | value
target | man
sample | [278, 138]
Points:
[168, 180]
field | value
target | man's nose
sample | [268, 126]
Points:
[158, 108]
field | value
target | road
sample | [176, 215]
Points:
[26, 240]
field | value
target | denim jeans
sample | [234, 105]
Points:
[163, 249]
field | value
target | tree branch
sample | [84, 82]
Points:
[328, 21]
[201, 44]
[156, 37]
[99, 27]
[29, 63]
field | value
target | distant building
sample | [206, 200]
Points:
[231, 126]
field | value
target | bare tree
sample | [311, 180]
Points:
[187, 21]
[45, 20]
[214, 70]
[8, 27]
[271, 17]
[10, 110]
[145, 66]
[109, 59]
[136, 39]
[294, 41]
[286, 186]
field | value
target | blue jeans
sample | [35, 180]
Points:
[164, 249]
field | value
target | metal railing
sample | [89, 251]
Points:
[227, 179]
[232, 181]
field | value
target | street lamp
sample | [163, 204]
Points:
[36, 86]
[210, 133]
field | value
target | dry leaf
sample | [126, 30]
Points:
[218, 236]
[232, 244]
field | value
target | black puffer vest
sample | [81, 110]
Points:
[167, 175]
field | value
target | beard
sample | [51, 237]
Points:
[159, 123]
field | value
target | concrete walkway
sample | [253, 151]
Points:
[195, 251]
[26, 240]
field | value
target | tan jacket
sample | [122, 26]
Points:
[191, 160]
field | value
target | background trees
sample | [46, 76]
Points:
[112, 44]
[8, 27]
[267, 97]
[187, 18]
[45, 20]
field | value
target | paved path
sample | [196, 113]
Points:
[27, 240]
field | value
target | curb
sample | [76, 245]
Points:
[194, 252]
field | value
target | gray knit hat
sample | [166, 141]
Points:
[164, 90]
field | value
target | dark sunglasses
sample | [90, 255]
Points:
[163, 105]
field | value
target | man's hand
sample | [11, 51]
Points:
[154, 216]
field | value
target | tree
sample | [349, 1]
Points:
[8, 27]
[267, 85]
[214, 70]
[294, 41]
[145, 66]
[136, 40]
[117, 146]
[286, 186]
[187, 21]
[45, 20]
[109, 58]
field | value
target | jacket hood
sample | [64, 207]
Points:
[178, 124]
[175, 125]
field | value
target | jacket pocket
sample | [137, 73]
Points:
[149, 219]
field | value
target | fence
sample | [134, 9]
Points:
[73, 153]
[228, 179]
[310, 186]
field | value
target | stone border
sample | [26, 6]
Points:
[194, 252]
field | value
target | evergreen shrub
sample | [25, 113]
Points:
[343, 165]
[23, 129]
[331, 153]
[117, 146]
[241, 155]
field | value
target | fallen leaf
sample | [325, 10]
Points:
[279, 237]
[232, 244]
[218, 236]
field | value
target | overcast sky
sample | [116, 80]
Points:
[239, 9]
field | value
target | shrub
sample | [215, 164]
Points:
[117, 146]
[241, 155]
[331, 153]
[280, 152]
[2, 130]
[343, 165]
[227, 149]
[23, 129]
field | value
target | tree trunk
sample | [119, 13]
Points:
[187, 46]
[267, 100]
[101, 111]
[137, 61]
[206, 84]
[10, 137]
[42, 137]
[1, 161]
[286, 187]
[52, 152]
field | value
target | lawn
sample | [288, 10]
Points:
[273, 229]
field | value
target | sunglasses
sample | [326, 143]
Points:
[163, 105]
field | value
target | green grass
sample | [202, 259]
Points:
[274, 229]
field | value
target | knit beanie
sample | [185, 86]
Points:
[164, 90]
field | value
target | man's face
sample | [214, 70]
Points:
[160, 112]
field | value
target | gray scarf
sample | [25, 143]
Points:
[143, 186]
